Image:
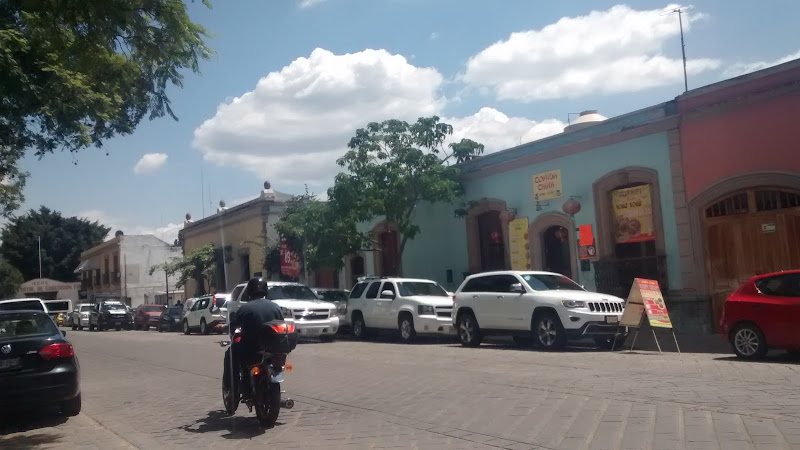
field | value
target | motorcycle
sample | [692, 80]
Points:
[265, 377]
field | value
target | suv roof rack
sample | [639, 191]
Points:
[372, 277]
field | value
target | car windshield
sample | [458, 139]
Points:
[26, 325]
[175, 311]
[86, 308]
[409, 288]
[544, 282]
[153, 308]
[333, 296]
[290, 291]
[17, 306]
[220, 301]
[113, 306]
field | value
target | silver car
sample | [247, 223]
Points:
[339, 298]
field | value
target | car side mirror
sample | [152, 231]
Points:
[518, 288]
[64, 333]
[387, 294]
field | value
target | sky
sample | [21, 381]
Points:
[292, 80]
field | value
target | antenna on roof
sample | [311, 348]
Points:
[679, 11]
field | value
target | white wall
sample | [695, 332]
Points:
[137, 255]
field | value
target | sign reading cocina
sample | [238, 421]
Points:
[547, 185]
[633, 214]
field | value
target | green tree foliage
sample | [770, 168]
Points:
[323, 233]
[393, 166]
[63, 241]
[75, 73]
[199, 265]
[10, 280]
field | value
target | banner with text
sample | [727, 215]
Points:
[547, 185]
[518, 241]
[290, 263]
[645, 297]
[633, 214]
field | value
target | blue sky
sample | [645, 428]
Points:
[308, 73]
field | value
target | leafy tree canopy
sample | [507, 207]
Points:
[10, 280]
[393, 166]
[63, 241]
[322, 232]
[199, 265]
[75, 73]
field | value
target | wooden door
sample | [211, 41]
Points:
[727, 262]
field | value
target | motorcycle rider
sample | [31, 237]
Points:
[253, 318]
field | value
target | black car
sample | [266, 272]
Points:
[107, 314]
[38, 366]
[171, 319]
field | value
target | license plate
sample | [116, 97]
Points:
[311, 332]
[10, 363]
[612, 319]
[117, 323]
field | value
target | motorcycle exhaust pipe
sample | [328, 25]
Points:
[287, 403]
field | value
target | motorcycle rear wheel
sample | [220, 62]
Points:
[268, 402]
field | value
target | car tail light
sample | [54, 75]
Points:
[237, 339]
[60, 350]
[283, 328]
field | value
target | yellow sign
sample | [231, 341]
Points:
[547, 185]
[518, 241]
[645, 297]
[633, 213]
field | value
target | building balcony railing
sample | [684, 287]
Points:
[615, 276]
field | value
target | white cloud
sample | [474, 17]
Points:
[297, 121]
[150, 163]
[498, 132]
[742, 68]
[167, 233]
[304, 4]
[604, 52]
[433, 36]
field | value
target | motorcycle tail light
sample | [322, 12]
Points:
[60, 350]
[255, 370]
[283, 328]
[237, 339]
[288, 367]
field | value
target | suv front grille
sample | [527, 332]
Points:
[311, 314]
[606, 307]
[444, 311]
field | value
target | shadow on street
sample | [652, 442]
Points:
[28, 421]
[237, 427]
[775, 357]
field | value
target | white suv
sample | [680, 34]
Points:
[203, 316]
[408, 305]
[545, 307]
[312, 317]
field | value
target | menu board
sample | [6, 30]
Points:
[518, 241]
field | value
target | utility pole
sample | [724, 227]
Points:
[40, 257]
[680, 12]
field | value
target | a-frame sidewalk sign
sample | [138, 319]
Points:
[645, 298]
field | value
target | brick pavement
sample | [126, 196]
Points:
[152, 390]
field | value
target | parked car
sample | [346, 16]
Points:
[147, 316]
[338, 297]
[312, 317]
[408, 305]
[170, 319]
[107, 314]
[220, 309]
[80, 316]
[22, 304]
[545, 308]
[203, 316]
[762, 314]
[38, 366]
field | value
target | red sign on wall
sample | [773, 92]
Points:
[290, 263]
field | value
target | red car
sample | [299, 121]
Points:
[764, 314]
[147, 316]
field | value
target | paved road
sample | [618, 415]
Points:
[157, 390]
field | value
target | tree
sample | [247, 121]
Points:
[321, 232]
[75, 73]
[63, 240]
[10, 280]
[393, 166]
[200, 265]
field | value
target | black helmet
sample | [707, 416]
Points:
[256, 288]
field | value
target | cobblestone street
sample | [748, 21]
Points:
[156, 390]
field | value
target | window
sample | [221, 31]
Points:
[236, 291]
[244, 266]
[116, 263]
[372, 292]
[152, 308]
[735, 204]
[501, 283]
[358, 289]
[550, 282]
[17, 306]
[290, 291]
[333, 296]
[86, 308]
[787, 285]
[477, 284]
[388, 286]
[772, 200]
[112, 306]
[26, 325]
[409, 288]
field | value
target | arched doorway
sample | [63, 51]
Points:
[552, 243]
[492, 245]
[746, 233]
[556, 251]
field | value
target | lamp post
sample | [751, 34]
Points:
[221, 211]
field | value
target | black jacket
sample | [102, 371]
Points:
[252, 318]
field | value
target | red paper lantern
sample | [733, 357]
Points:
[495, 235]
[571, 207]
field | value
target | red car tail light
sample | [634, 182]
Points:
[60, 350]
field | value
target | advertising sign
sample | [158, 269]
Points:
[586, 247]
[518, 241]
[633, 214]
[547, 185]
[290, 263]
[646, 297]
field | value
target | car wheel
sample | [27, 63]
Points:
[406, 325]
[71, 407]
[186, 329]
[469, 333]
[748, 341]
[548, 332]
[203, 327]
[359, 327]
